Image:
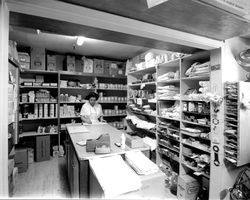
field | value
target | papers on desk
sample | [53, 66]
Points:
[140, 163]
[77, 129]
[114, 175]
[150, 142]
[95, 123]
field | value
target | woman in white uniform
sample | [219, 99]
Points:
[91, 111]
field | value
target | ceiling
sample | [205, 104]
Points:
[67, 44]
[192, 16]
[189, 16]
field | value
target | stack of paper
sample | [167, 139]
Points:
[114, 175]
[77, 129]
[140, 163]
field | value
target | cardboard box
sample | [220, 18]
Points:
[23, 57]
[37, 58]
[51, 63]
[134, 141]
[79, 65]
[70, 63]
[188, 187]
[113, 69]
[88, 66]
[106, 70]
[98, 66]
[21, 159]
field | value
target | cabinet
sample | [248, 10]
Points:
[42, 148]
[181, 110]
[237, 115]
[72, 170]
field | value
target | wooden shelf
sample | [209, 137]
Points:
[91, 75]
[30, 71]
[195, 100]
[48, 102]
[196, 113]
[169, 136]
[39, 87]
[34, 133]
[204, 125]
[67, 102]
[118, 102]
[75, 88]
[111, 89]
[168, 118]
[139, 84]
[32, 119]
[193, 146]
[195, 78]
[170, 81]
[170, 148]
[168, 99]
[198, 137]
[143, 71]
[195, 170]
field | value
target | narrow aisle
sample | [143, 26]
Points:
[47, 179]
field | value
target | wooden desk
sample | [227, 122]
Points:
[78, 159]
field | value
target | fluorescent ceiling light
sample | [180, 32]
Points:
[80, 40]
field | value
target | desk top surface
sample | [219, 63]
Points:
[93, 132]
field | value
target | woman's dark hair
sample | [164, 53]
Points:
[92, 94]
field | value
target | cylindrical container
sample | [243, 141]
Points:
[45, 110]
[200, 108]
[36, 110]
[123, 141]
[52, 110]
[40, 113]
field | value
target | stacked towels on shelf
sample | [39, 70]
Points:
[198, 69]
[169, 76]
[168, 92]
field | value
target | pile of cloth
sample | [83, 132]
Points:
[141, 123]
[198, 69]
[168, 92]
[169, 76]
[171, 112]
[203, 92]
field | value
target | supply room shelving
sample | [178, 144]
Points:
[30, 124]
[171, 87]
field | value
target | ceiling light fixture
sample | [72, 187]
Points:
[80, 40]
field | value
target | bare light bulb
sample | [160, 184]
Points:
[80, 40]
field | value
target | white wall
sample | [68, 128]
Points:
[4, 39]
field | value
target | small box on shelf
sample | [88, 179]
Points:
[88, 66]
[98, 66]
[37, 58]
[51, 63]
[70, 64]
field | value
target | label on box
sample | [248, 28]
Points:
[98, 66]
[88, 66]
